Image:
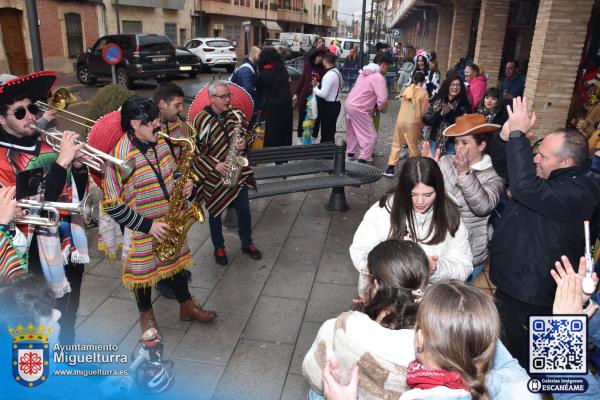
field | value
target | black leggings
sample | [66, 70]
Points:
[179, 286]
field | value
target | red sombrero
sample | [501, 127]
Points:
[37, 86]
[104, 135]
[240, 99]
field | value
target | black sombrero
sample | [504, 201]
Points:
[37, 86]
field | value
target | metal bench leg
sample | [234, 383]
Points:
[337, 200]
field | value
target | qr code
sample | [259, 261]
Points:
[557, 344]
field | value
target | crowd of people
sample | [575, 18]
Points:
[473, 192]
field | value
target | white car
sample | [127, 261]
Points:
[214, 52]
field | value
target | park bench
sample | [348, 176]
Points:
[303, 163]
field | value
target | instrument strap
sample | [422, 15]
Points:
[156, 171]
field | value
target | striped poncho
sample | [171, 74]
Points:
[13, 263]
[214, 134]
[135, 204]
[173, 129]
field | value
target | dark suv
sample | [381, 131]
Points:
[145, 56]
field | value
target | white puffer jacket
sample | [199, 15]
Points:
[454, 253]
[477, 195]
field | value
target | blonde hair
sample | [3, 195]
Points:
[460, 326]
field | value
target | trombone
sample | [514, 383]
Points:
[60, 100]
[97, 159]
[86, 208]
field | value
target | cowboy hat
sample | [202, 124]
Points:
[36, 86]
[470, 124]
[240, 100]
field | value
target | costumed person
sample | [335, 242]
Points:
[414, 102]
[277, 109]
[432, 80]
[57, 253]
[369, 93]
[140, 204]
[313, 70]
[472, 181]
[218, 124]
[13, 245]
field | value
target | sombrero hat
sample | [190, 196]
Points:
[104, 135]
[470, 124]
[240, 99]
[36, 85]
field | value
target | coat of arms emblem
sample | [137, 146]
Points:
[30, 354]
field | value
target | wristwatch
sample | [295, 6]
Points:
[515, 134]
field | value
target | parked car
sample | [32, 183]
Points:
[274, 43]
[213, 52]
[145, 56]
[188, 62]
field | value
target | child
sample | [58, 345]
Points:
[414, 104]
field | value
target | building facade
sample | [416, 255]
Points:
[553, 40]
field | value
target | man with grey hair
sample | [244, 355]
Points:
[552, 193]
[245, 76]
[215, 125]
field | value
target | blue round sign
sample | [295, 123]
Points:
[112, 54]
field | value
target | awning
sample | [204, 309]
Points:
[271, 25]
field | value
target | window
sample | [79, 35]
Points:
[74, 35]
[132, 26]
[171, 32]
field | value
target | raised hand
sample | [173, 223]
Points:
[565, 270]
[519, 117]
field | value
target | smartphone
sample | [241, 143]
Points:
[29, 182]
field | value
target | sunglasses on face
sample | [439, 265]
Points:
[20, 112]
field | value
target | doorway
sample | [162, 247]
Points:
[12, 38]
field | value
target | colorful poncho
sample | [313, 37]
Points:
[57, 246]
[135, 204]
[214, 134]
[13, 263]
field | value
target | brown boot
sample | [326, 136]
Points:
[147, 320]
[191, 311]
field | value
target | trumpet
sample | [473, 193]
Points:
[97, 160]
[60, 100]
[86, 208]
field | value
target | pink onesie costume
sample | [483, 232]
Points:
[370, 91]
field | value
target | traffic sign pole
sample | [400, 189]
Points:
[114, 75]
[112, 55]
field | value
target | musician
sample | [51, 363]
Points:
[139, 205]
[56, 253]
[215, 125]
[13, 245]
[169, 99]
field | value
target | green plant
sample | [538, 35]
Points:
[107, 99]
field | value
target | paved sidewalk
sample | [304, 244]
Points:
[269, 310]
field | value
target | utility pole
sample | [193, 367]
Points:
[362, 34]
[34, 32]
[117, 15]
[266, 29]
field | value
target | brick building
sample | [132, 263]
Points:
[552, 39]
[67, 28]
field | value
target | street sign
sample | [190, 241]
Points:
[246, 28]
[247, 23]
[112, 54]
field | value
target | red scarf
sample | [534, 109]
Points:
[420, 377]
[270, 66]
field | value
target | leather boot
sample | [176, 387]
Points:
[191, 311]
[147, 320]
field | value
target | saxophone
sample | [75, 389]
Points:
[180, 217]
[234, 158]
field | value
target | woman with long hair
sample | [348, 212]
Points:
[417, 209]
[277, 109]
[449, 102]
[492, 107]
[432, 80]
[380, 330]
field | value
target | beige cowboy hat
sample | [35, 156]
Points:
[470, 124]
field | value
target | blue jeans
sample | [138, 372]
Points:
[242, 206]
[476, 271]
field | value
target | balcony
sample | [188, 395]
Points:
[226, 7]
[168, 4]
[327, 21]
[289, 15]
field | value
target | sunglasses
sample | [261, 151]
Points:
[20, 112]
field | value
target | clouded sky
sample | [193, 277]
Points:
[349, 6]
